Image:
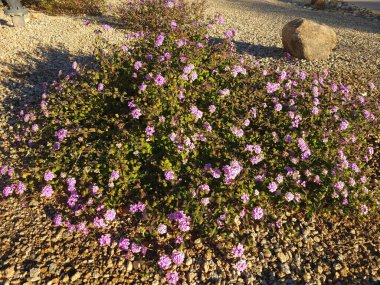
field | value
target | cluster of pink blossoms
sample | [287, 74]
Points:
[138, 207]
[237, 252]
[177, 258]
[232, 171]
[196, 112]
[182, 219]
[61, 134]
[304, 148]
[19, 188]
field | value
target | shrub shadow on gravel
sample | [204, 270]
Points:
[259, 51]
[23, 79]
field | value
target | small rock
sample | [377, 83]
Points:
[33, 203]
[66, 278]
[136, 265]
[344, 272]
[76, 276]
[337, 266]
[34, 273]
[10, 272]
[209, 255]
[52, 268]
[285, 268]
[109, 263]
[267, 253]
[206, 267]
[282, 257]
[129, 266]
[307, 277]
[96, 275]
[189, 261]
[191, 276]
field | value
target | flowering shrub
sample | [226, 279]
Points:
[159, 15]
[186, 139]
[90, 7]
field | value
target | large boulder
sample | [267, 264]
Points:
[309, 40]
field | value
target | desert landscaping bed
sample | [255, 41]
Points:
[317, 250]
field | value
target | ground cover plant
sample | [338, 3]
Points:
[159, 15]
[184, 139]
[89, 7]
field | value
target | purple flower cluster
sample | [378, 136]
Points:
[137, 65]
[289, 196]
[232, 171]
[257, 159]
[61, 134]
[138, 207]
[99, 223]
[182, 219]
[4, 169]
[237, 69]
[19, 188]
[272, 186]
[172, 277]
[238, 250]
[344, 125]
[237, 131]
[114, 175]
[196, 112]
[169, 175]
[7, 191]
[257, 213]
[230, 33]
[149, 130]
[225, 92]
[136, 113]
[272, 87]
[105, 240]
[124, 244]
[178, 257]
[162, 229]
[159, 40]
[164, 262]
[304, 148]
[110, 215]
[159, 80]
[49, 176]
[47, 191]
[241, 265]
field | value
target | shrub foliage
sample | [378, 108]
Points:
[90, 7]
[159, 15]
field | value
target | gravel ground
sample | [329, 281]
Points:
[259, 25]
[318, 251]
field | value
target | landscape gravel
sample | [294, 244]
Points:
[259, 24]
[319, 250]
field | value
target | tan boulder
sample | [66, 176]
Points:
[309, 40]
